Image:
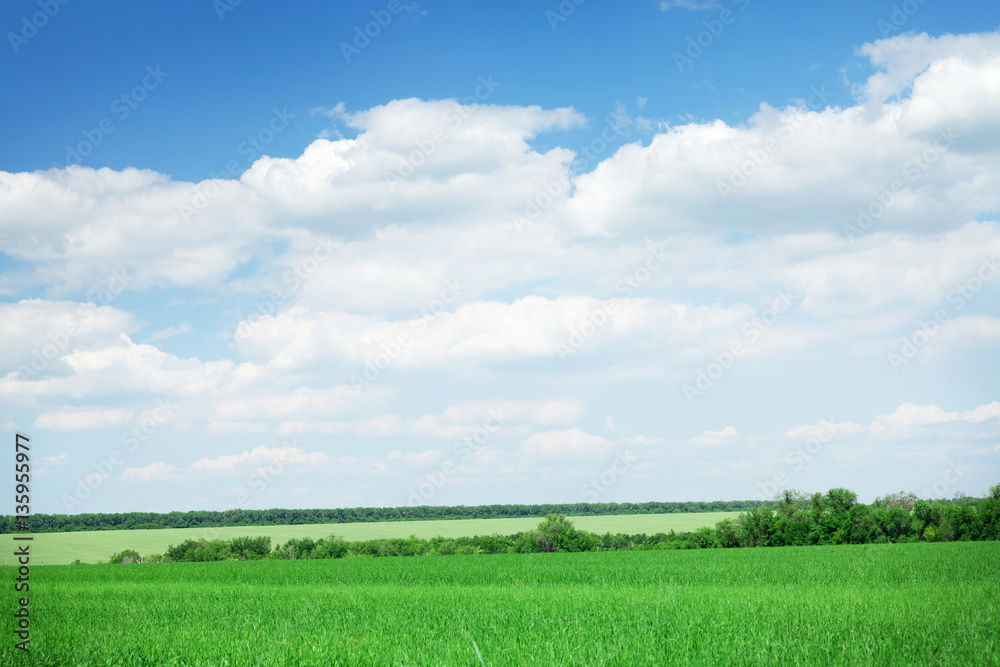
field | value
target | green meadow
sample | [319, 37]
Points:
[95, 546]
[891, 604]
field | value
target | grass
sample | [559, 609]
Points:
[94, 546]
[927, 604]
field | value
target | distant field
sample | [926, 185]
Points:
[894, 604]
[94, 546]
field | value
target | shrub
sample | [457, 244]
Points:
[126, 556]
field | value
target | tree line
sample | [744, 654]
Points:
[58, 523]
[795, 519]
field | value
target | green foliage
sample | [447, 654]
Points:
[52, 523]
[202, 550]
[756, 527]
[250, 548]
[798, 520]
[727, 533]
[126, 556]
[556, 533]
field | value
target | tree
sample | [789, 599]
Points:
[756, 527]
[704, 538]
[841, 500]
[727, 533]
[557, 533]
[126, 556]
[790, 501]
[901, 500]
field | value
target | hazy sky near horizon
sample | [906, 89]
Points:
[392, 253]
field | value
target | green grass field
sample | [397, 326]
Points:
[94, 546]
[906, 604]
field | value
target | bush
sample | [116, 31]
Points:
[126, 556]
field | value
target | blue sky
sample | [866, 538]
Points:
[556, 236]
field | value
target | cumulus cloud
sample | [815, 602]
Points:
[440, 246]
[154, 472]
[480, 332]
[565, 446]
[824, 430]
[37, 334]
[303, 401]
[460, 420]
[909, 414]
[257, 457]
[714, 438]
[482, 169]
[382, 425]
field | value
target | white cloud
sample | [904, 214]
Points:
[565, 446]
[483, 169]
[824, 429]
[154, 472]
[78, 420]
[327, 427]
[370, 259]
[460, 420]
[222, 427]
[715, 438]
[909, 414]
[382, 425]
[302, 402]
[123, 367]
[81, 221]
[922, 422]
[36, 334]
[483, 332]
[257, 457]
